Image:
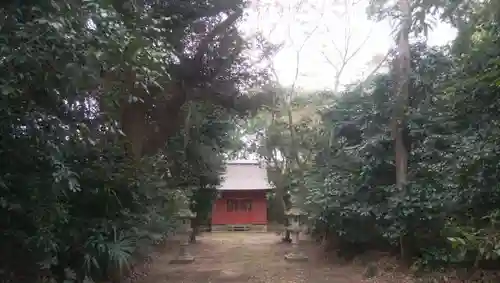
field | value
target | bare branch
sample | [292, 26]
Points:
[379, 65]
[345, 55]
[330, 61]
[356, 51]
[334, 44]
[292, 91]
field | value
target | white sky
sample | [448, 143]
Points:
[322, 25]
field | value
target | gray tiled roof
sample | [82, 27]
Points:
[244, 175]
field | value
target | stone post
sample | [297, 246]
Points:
[185, 230]
[293, 215]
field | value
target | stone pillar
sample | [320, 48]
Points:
[185, 215]
[294, 227]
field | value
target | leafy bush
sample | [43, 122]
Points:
[453, 166]
[100, 143]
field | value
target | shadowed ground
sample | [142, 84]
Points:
[241, 257]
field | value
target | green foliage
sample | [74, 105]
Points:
[470, 243]
[344, 162]
[453, 139]
[75, 206]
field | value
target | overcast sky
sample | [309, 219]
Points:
[320, 29]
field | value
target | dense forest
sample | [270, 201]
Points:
[114, 114]
[117, 113]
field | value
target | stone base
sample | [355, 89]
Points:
[296, 257]
[182, 259]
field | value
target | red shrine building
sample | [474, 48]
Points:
[241, 202]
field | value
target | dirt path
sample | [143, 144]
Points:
[248, 257]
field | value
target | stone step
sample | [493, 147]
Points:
[239, 228]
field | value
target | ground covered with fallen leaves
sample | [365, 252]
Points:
[241, 257]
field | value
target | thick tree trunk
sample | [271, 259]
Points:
[133, 125]
[148, 124]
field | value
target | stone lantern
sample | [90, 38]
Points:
[185, 215]
[294, 226]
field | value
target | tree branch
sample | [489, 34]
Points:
[166, 113]
[209, 38]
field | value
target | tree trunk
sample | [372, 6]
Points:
[280, 189]
[282, 207]
[401, 107]
[287, 237]
[402, 95]
[144, 137]
[133, 125]
[195, 227]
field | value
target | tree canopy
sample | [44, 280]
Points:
[112, 113]
[447, 210]
[117, 113]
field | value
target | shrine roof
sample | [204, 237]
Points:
[244, 175]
